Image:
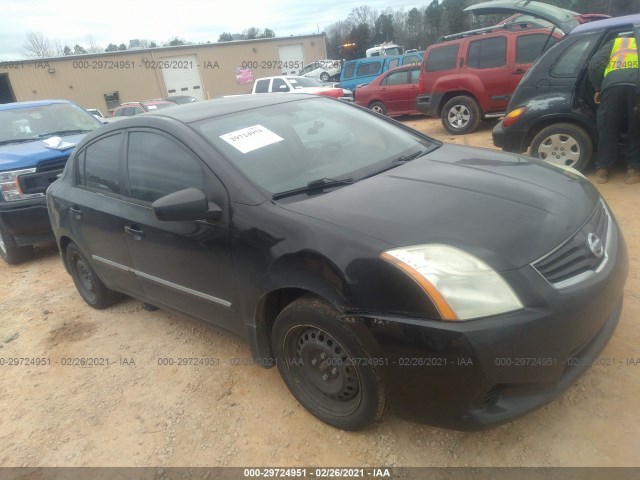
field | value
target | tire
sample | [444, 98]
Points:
[315, 352]
[324, 77]
[565, 144]
[461, 115]
[9, 249]
[378, 107]
[90, 287]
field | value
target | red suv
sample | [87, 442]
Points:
[470, 76]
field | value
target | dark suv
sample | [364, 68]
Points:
[552, 110]
[470, 76]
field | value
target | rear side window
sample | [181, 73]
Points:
[442, 58]
[371, 68]
[158, 166]
[279, 85]
[102, 164]
[414, 75]
[262, 86]
[394, 63]
[529, 47]
[488, 53]
[574, 58]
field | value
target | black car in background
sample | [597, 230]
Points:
[552, 110]
[369, 262]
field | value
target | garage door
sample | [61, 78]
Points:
[292, 58]
[182, 76]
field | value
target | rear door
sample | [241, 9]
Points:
[525, 49]
[96, 215]
[486, 58]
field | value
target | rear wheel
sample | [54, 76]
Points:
[461, 115]
[325, 365]
[90, 287]
[378, 107]
[564, 144]
[9, 249]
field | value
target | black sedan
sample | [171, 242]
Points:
[370, 263]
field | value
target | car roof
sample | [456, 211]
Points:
[607, 23]
[193, 112]
[34, 103]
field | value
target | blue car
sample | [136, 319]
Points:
[36, 139]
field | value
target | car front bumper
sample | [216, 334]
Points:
[27, 220]
[429, 104]
[511, 141]
[482, 373]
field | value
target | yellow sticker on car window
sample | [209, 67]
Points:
[251, 138]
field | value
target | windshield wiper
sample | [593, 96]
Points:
[319, 184]
[64, 132]
[17, 140]
[406, 158]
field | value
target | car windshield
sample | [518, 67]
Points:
[289, 145]
[35, 123]
[304, 82]
[155, 106]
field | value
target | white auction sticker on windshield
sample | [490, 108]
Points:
[251, 138]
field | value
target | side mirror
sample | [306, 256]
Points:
[187, 204]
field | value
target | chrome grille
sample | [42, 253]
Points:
[579, 257]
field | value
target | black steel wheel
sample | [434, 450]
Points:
[90, 287]
[326, 366]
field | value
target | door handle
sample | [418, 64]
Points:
[134, 232]
[76, 212]
[519, 71]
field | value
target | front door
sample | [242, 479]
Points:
[183, 264]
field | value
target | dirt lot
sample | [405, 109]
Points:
[138, 413]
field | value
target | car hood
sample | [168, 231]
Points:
[506, 209]
[30, 154]
[561, 18]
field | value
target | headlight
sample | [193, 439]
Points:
[10, 187]
[460, 286]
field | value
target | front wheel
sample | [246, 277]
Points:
[9, 249]
[564, 144]
[90, 287]
[326, 366]
[461, 115]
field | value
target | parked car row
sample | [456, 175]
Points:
[297, 84]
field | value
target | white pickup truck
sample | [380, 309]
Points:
[292, 84]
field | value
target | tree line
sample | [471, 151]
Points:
[420, 27]
[364, 27]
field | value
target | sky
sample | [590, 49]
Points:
[118, 21]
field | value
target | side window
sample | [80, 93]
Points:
[411, 59]
[102, 164]
[138, 110]
[414, 75]
[574, 58]
[262, 86]
[488, 53]
[349, 69]
[442, 58]
[394, 63]
[158, 166]
[279, 85]
[371, 68]
[529, 47]
[396, 78]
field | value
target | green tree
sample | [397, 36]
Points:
[67, 51]
[175, 41]
[225, 37]
[153, 44]
[122, 46]
[112, 47]
[268, 33]
[250, 33]
[383, 29]
[78, 50]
